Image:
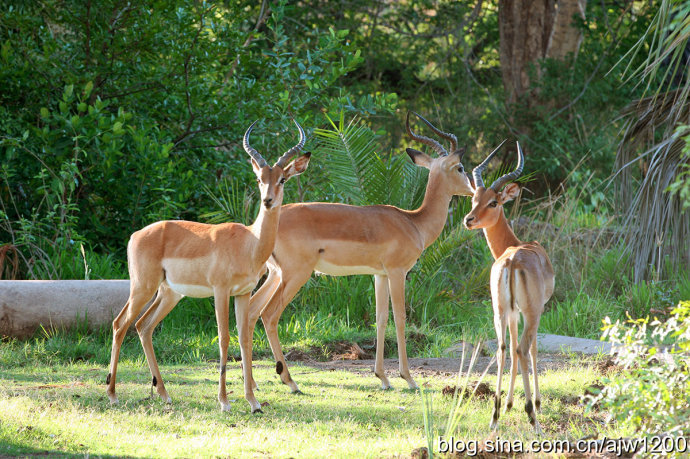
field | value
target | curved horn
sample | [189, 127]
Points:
[477, 171]
[251, 151]
[438, 148]
[446, 135]
[294, 150]
[510, 176]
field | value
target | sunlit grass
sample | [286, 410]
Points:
[64, 409]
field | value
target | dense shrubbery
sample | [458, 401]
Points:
[651, 394]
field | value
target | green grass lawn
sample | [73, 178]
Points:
[63, 410]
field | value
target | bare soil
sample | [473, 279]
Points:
[352, 360]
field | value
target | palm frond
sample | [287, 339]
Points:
[235, 203]
[358, 174]
[658, 231]
[433, 259]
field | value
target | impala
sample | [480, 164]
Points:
[341, 240]
[522, 281]
[181, 258]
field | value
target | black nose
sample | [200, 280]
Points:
[268, 202]
[468, 220]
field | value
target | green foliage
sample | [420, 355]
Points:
[361, 176]
[681, 186]
[126, 114]
[651, 394]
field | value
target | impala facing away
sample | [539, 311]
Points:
[341, 240]
[181, 258]
[522, 281]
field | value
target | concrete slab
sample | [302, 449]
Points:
[550, 344]
[27, 305]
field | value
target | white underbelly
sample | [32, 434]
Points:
[243, 289]
[194, 291]
[323, 267]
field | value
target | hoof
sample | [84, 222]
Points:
[493, 425]
[509, 405]
[386, 387]
[257, 411]
[298, 392]
[225, 407]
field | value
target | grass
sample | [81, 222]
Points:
[63, 409]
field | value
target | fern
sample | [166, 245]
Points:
[235, 203]
[359, 175]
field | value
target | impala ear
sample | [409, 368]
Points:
[297, 166]
[419, 158]
[256, 167]
[510, 192]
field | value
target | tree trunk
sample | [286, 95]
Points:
[531, 30]
[565, 37]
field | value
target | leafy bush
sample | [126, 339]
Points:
[651, 394]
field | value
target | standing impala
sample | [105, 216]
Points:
[180, 258]
[522, 281]
[341, 240]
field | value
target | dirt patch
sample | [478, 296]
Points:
[570, 400]
[482, 391]
[608, 366]
[348, 351]
[339, 350]
[429, 366]
[297, 355]
[594, 389]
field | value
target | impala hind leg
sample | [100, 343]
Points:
[290, 284]
[138, 298]
[165, 301]
[246, 318]
[528, 336]
[382, 303]
[514, 359]
[500, 323]
[537, 395]
[396, 284]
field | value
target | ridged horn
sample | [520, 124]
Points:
[438, 148]
[446, 135]
[510, 176]
[294, 150]
[250, 150]
[477, 171]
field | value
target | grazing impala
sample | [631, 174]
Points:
[522, 281]
[341, 240]
[180, 258]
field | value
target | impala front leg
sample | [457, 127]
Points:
[382, 300]
[222, 299]
[245, 328]
[396, 283]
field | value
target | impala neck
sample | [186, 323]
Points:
[265, 229]
[500, 236]
[431, 216]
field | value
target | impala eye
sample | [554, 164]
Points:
[493, 203]
[461, 168]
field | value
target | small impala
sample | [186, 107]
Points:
[342, 240]
[181, 258]
[522, 281]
